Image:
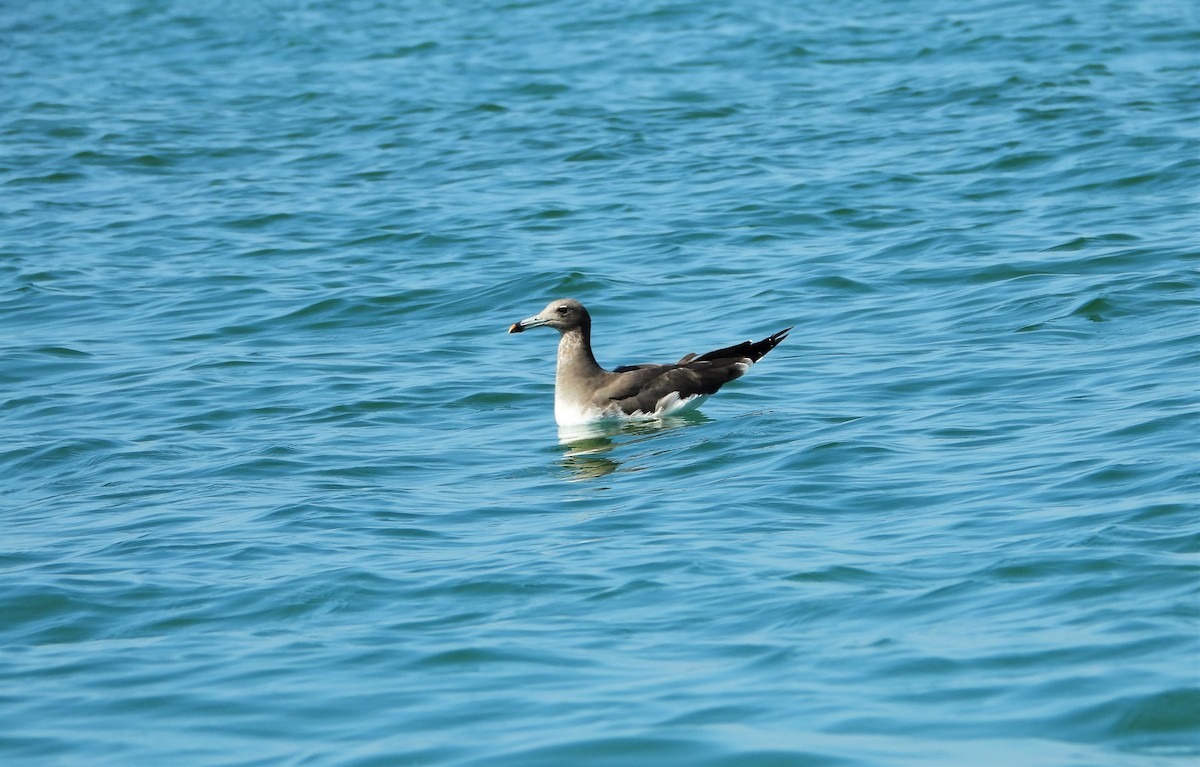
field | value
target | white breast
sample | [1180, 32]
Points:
[568, 413]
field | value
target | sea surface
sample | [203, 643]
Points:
[277, 489]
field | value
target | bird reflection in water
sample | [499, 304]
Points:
[587, 449]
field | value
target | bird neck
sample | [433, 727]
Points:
[575, 359]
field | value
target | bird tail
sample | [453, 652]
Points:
[751, 350]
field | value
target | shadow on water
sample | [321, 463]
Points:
[588, 449]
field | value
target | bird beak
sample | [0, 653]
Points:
[525, 324]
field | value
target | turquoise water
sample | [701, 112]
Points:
[279, 490]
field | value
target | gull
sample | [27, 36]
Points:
[584, 392]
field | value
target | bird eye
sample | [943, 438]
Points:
[562, 309]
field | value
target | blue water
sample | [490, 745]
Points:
[276, 488]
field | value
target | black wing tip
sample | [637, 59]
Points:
[749, 350]
[770, 342]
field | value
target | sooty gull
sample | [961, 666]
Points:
[585, 392]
